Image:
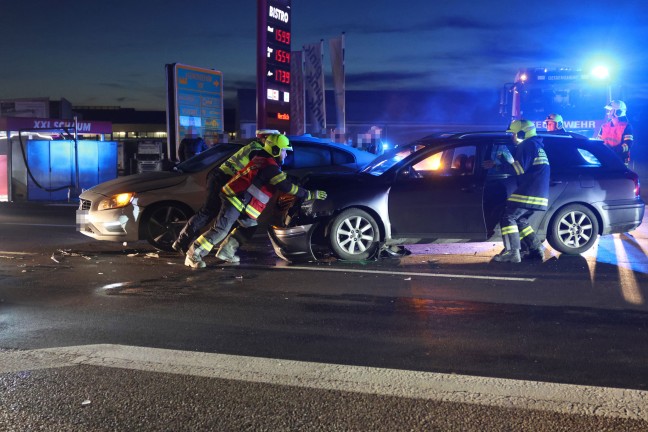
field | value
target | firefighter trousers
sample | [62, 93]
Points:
[207, 212]
[223, 224]
[516, 229]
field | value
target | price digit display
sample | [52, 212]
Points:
[282, 76]
[282, 36]
[282, 56]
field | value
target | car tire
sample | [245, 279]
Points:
[354, 235]
[162, 225]
[573, 230]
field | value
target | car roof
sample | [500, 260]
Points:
[362, 156]
[445, 136]
[561, 146]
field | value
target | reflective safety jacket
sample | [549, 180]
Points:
[619, 138]
[240, 159]
[259, 179]
[531, 167]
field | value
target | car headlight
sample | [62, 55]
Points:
[116, 201]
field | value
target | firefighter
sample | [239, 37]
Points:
[554, 124]
[616, 132]
[531, 167]
[245, 196]
[216, 179]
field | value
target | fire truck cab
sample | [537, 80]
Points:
[578, 96]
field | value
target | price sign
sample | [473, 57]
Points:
[273, 64]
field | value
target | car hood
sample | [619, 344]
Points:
[140, 182]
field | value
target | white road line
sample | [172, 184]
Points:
[507, 393]
[38, 225]
[439, 275]
[16, 253]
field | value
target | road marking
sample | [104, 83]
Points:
[439, 275]
[16, 253]
[38, 225]
[497, 392]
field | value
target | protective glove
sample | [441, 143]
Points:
[316, 195]
[506, 154]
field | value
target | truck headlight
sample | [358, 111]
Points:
[116, 201]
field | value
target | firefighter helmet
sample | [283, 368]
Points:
[261, 133]
[525, 126]
[556, 118]
[618, 106]
[275, 143]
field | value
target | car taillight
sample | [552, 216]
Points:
[635, 178]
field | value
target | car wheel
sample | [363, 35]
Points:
[574, 229]
[354, 235]
[162, 225]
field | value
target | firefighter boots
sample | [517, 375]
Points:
[536, 253]
[508, 255]
[227, 250]
[194, 260]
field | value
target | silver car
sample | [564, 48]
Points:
[154, 206]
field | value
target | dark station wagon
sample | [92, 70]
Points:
[435, 191]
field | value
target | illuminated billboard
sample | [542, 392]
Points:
[195, 103]
[273, 64]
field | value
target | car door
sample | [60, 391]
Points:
[439, 195]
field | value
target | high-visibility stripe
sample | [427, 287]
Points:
[204, 243]
[293, 190]
[237, 203]
[529, 200]
[509, 229]
[258, 194]
[252, 212]
[518, 168]
[227, 190]
[541, 160]
[240, 159]
[278, 178]
[628, 137]
[526, 231]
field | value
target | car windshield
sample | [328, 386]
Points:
[389, 159]
[207, 158]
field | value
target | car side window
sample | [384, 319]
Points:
[588, 158]
[341, 157]
[499, 148]
[306, 156]
[455, 161]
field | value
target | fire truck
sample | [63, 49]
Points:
[578, 96]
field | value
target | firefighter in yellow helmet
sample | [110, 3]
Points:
[531, 168]
[245, 196]
[555, 124]
[616, 132]
[216, 179]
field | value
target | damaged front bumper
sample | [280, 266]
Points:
[293, 243]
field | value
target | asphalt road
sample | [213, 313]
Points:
[101, 336]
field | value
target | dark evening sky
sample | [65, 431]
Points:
[113, 52]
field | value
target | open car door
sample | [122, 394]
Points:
[439, 196]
